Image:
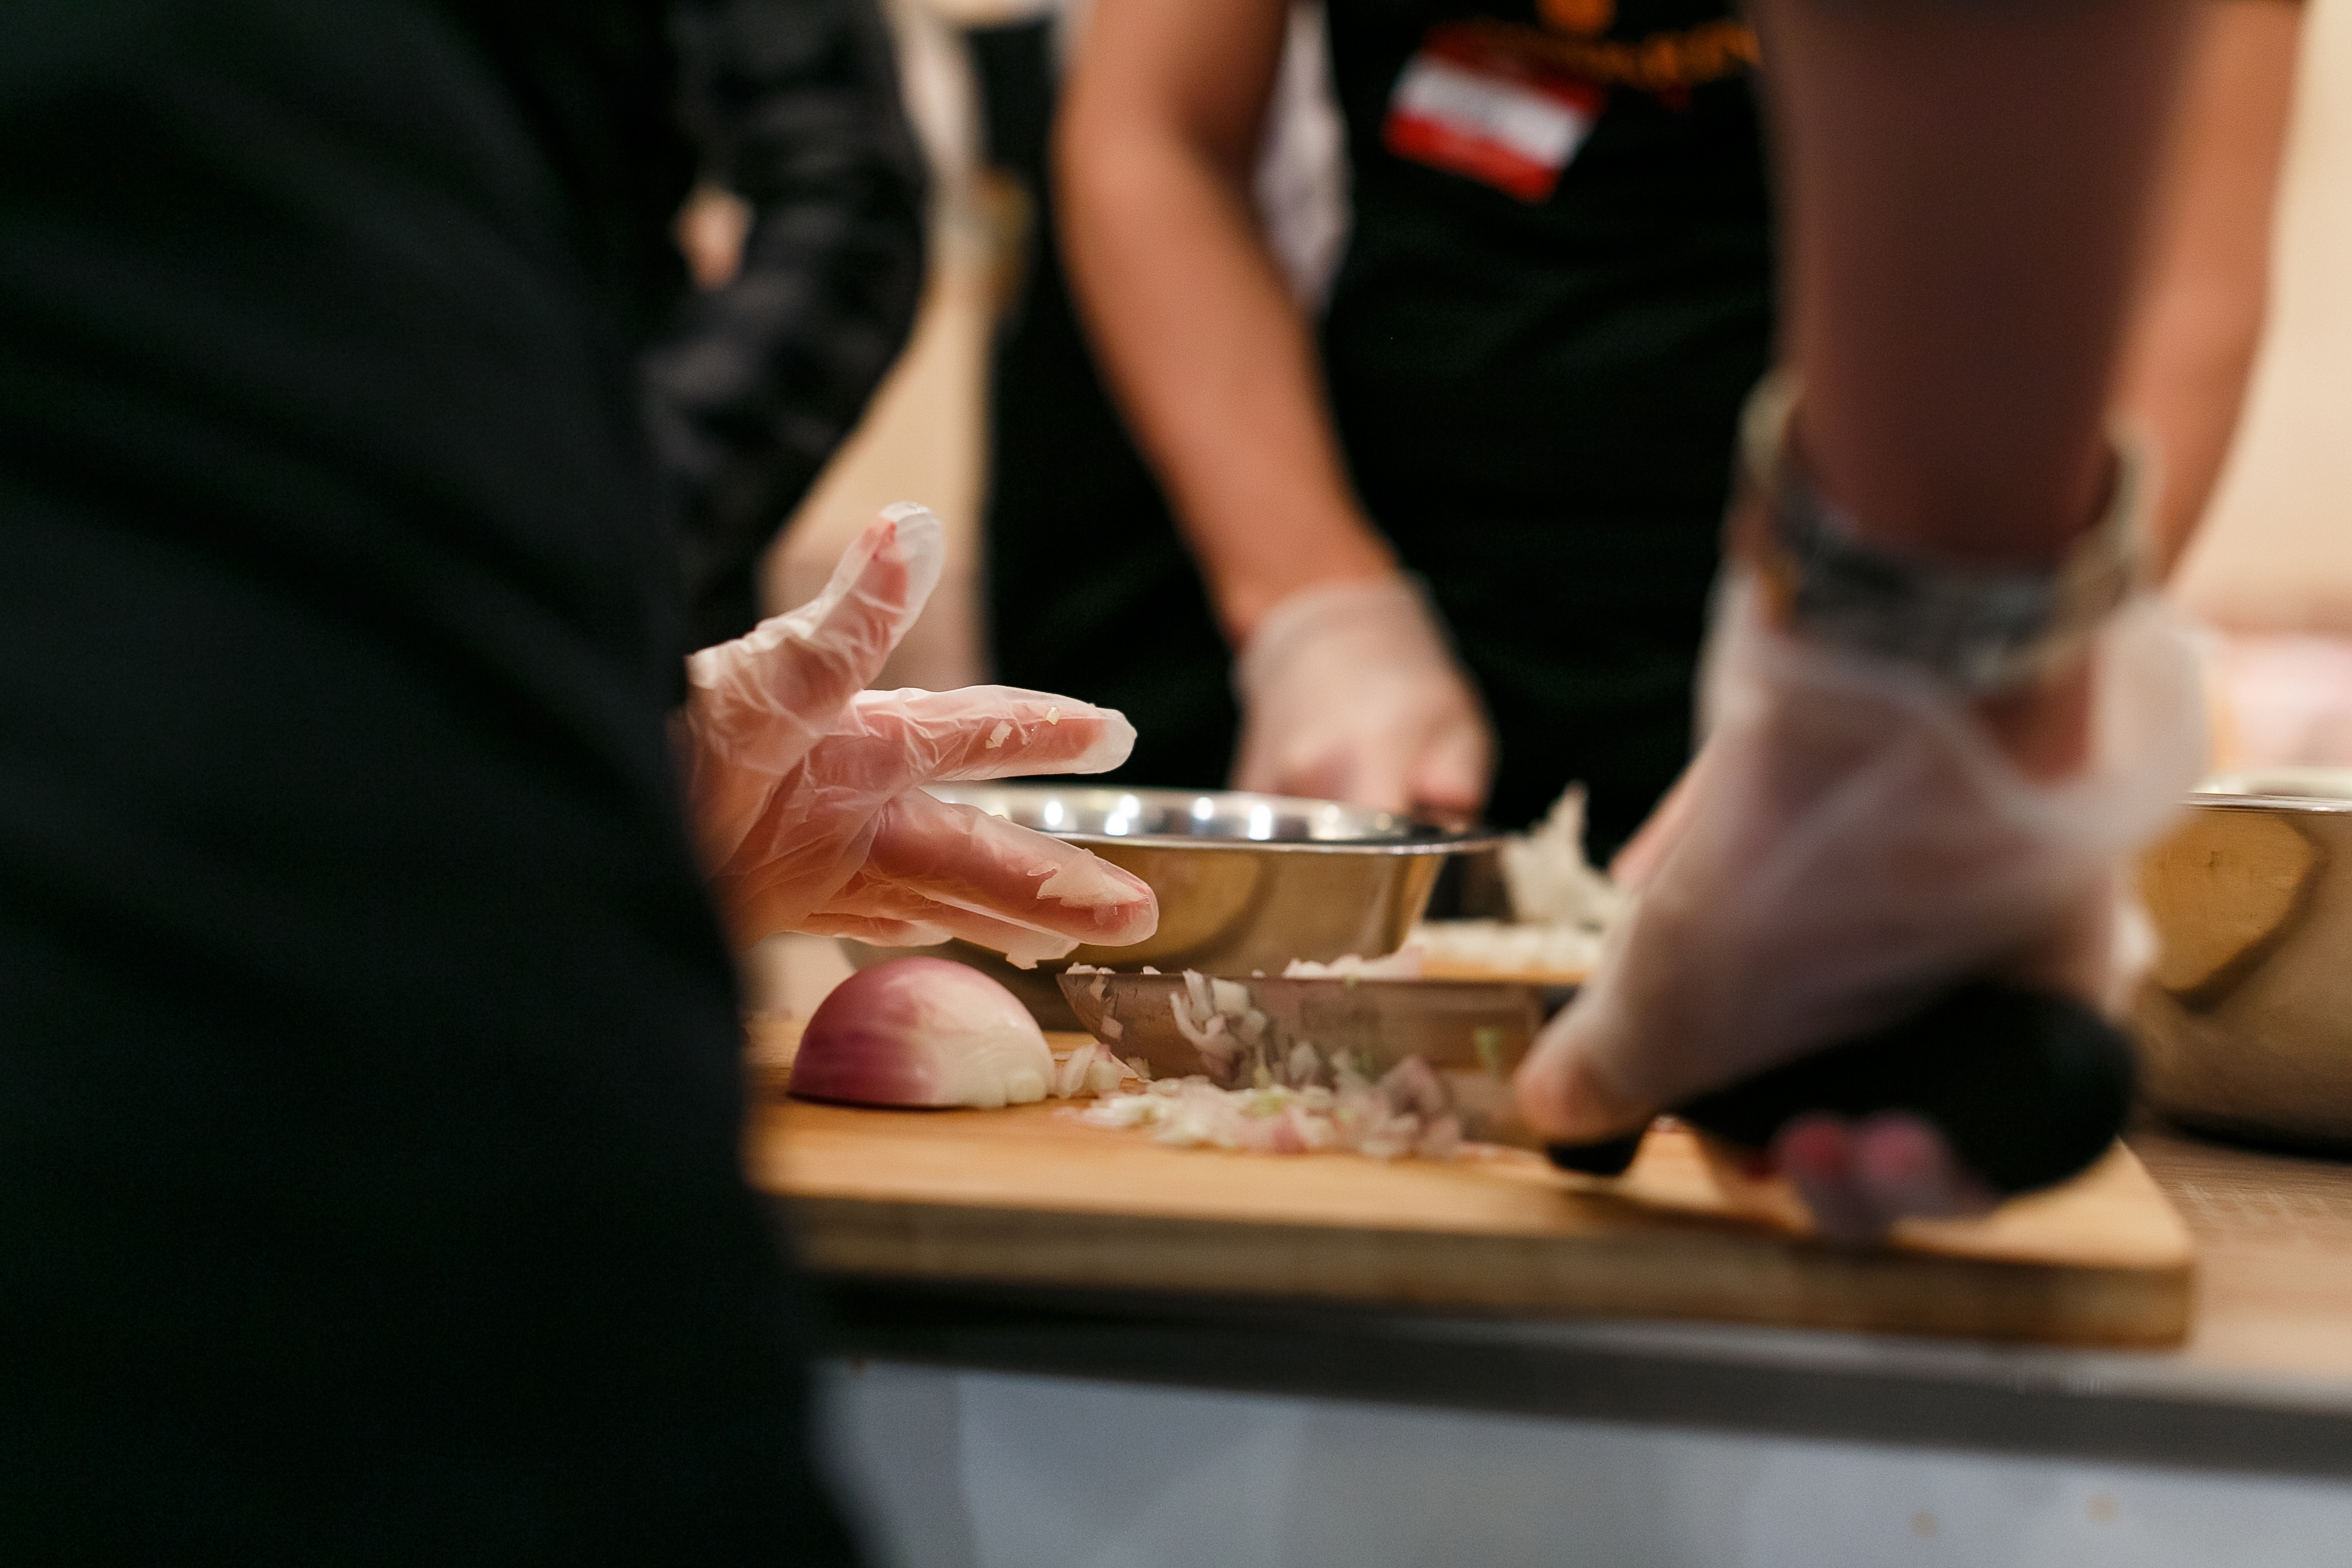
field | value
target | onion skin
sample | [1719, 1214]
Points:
[922, 1032]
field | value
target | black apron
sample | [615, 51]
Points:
[1535, 392]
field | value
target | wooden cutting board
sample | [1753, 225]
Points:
[1029, 1196]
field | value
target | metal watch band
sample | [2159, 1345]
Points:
[1982, 630]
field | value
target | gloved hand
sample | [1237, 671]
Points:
[1850, 841]
[804, 787]
[1348, 692]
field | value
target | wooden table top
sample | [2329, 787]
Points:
[2272, 1287]
[2273, 1290]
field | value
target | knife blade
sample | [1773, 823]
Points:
[1446, 1023]
[1475, 1033]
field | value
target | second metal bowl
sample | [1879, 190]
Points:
[2245, 1023]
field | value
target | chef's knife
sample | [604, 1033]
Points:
[2027, 1087]
[1446, 1023]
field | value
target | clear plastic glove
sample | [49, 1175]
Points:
[806, 788]
[1348, 692]
[1850, 841]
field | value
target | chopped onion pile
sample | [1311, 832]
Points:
[1266, 1093]
[1408, 1112]
[1093, 1070]
[1239, 1045]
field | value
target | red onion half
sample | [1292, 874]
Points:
[922, 1031]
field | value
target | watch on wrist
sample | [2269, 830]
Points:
[1983, 629]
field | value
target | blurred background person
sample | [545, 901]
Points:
[1064, 480]
[804, 238]
[1481, 504]
[1623, 286]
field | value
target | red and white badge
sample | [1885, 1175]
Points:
[1466, 106]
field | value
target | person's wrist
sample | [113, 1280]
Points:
[2015, 642]
[1367, 621]
[1827, 577]
[1245, 596]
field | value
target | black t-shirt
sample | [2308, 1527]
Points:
[1536, 393]
[369, 1078]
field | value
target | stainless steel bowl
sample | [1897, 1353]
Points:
[2245, 1021]
[1245, 882]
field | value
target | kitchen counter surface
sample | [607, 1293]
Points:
[2264, 1382]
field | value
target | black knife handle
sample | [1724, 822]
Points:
[2027, 1087]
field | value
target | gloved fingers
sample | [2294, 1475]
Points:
[1859, 1178]
[872, 893]
[1909, 1171]
[1349, 691]
[1258, 768]
[1369, 773]
[964, 858]
[792, 842]
[1454, 768]
[1362, 767]
[788, 869]
[763, 701]
[874, 931]
[779, 847]
[1568, 1096]
[1004, 731]
[888, 742]
[872, 898]
[757, 705]
[1816, 1154]
[1635, 1041]
[1386, 742]
[1638, 859]
[1373, 775]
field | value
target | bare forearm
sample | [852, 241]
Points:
[2186, 392]
[1966, 188]
[1210, 357]
[2201, 309]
